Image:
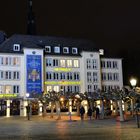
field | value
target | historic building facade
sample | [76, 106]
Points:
[32, 64]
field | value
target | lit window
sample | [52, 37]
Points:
[48, 49]
[57, 49]
[65, 50]
[76, 63]
[56, 88]
[74, 50]
[8, 89]
[62, 63]
[16, 47]
[16, 61]
[49, 88]
[69, 63]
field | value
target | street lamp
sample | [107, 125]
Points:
[28, 106]
[133, 83]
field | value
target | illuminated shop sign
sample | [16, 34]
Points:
[62, 69]
[8, 95]
[62, 83]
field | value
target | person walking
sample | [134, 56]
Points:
[89, 113]
[97, 113]
[82, 112]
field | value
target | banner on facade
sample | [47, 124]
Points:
[34, 72]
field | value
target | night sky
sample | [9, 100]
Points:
[113, 26]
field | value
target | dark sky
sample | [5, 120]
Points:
[112, 25]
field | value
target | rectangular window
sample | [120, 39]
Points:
[74, 51]
[9, 60]
[116, 76]
[115, 64]
[76, 76]
[56, 49]
[16, 61]
[49, 62]
[88, 64]
[55, 62]
[69, 88]
[76, 63]
[16, 75]
[49, 76]
[62, 63]
[16, 89]
[95, 87]
[69, 63]
[94, 63]
[89, 88]
[89, 77]
[56, 76]
[48, 49]
[16, 47]
[95, 77]
[1, 74]
[103, 64]
[110, 78]
[49, 88]
[8, 89]
[65, 50]
[7, 75]
[1, 61]
[56, 88]
[104, 76]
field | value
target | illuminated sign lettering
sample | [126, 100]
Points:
[8, 95]
[62, 69]
[62, 82]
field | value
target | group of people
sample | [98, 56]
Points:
[89, 113]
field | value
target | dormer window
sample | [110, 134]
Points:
[56, 49]
[48, 49]
[16, 47]
[74, 51]
[65, 50]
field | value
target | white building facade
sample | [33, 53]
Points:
[31, 65]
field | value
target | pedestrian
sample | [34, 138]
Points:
[89, 113]
[97, 113]
[82, 112]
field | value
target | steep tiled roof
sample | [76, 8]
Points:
[29, 41]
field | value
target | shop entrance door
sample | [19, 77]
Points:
[2, 108]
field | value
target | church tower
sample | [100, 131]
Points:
[31, 26]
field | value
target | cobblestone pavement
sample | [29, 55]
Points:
[39, 128]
